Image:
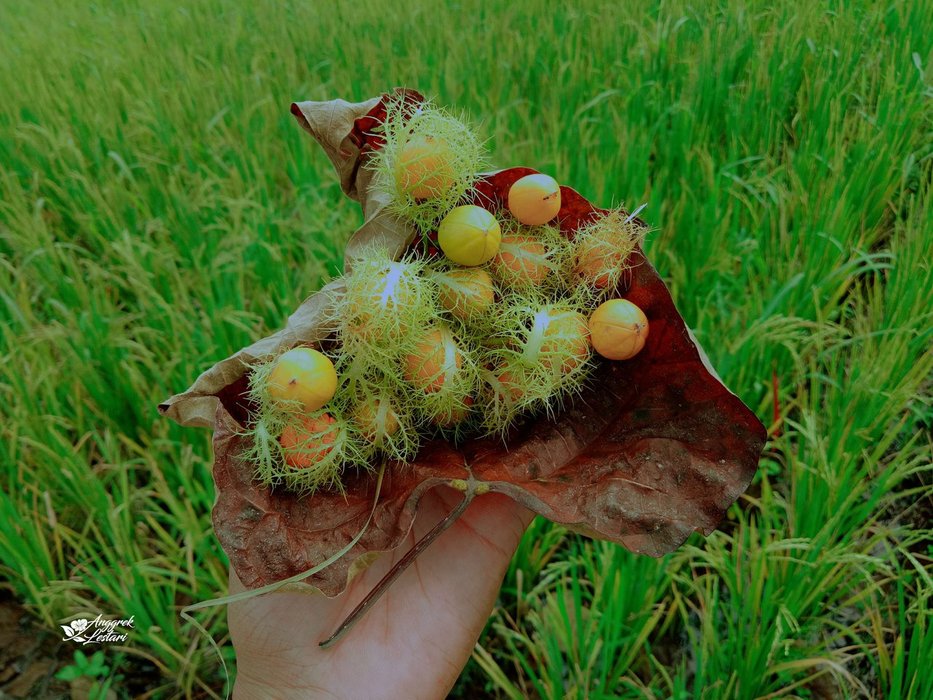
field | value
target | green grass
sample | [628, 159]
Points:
[159, 209]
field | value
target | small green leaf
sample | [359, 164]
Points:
[69, 673]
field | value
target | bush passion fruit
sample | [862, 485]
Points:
[618, 329]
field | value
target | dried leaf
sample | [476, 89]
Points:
[656, 449]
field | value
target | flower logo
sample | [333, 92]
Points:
[74, 630]
[97, 630]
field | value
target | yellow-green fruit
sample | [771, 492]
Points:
[469, 235]
[534, 199]
[618, 329]
[465, 294]
[376, 419]
[433, 361]
[303, 375]
[425, 167]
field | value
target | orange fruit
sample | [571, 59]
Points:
[522, 261]
[434, 360]
[309, 443]
[599, 261]
[425, 167]
[534, 199]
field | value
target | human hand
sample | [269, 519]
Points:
[417, 638]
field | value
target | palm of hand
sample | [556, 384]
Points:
[413, 643]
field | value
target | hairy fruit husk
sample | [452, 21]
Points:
[429, 160]
[425, 167]
[434, 360]
[465, 293]
[309, 441]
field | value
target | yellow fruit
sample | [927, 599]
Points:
[425, 167]
[618, 329]
[376, 419]
[307, 444]
[433, 361]
[303, 375]
[534, 199]
[465, 294]
[469, 235]
[566, 336]
[522, 261]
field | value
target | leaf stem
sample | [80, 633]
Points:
[373, 596]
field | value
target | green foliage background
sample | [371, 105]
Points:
[159, 209]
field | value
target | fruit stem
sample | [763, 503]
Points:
[373, 596]
[426, 241]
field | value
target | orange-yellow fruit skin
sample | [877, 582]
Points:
[310, 443]
[471, 295]
[434, 359]
[534, 199]
[425, 167]
[304, 375]
[469, 235]
[520, 260]
[367, 417]
[567, 331]
[618, 329]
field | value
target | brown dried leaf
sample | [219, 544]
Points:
[657, 449]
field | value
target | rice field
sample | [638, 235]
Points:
[160, 208]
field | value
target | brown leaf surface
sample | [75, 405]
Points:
[656, 449]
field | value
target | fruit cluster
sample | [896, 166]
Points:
[499, 320]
